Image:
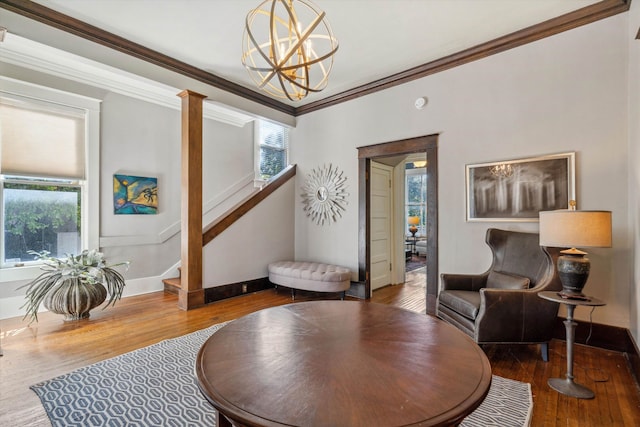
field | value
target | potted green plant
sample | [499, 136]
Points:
[74, 285]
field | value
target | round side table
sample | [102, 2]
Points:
[567, 385]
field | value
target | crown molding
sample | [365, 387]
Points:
[45, 15]
[25, 53]
[568, 21]
[583, 16]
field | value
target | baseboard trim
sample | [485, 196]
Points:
[219, 293]
[633, 360]
[606, 337]
[602, 336]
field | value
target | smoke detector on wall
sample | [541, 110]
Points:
[421, 102]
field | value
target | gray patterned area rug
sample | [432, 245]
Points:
[156, 386]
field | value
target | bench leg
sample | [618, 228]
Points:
[344, 294]
[293, 294]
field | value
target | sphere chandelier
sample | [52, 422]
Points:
[288, 48]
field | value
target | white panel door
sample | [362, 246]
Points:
[380, 221]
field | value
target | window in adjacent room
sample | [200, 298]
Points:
[272, 149]
[416, 195]
[44, 179]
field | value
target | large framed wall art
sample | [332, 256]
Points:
[516, 190]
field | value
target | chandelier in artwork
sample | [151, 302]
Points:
[502, 170]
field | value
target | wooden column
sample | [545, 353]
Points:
[191, 294]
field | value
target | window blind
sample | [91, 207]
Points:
[273, 135]
[41, 140]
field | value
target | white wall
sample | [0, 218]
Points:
[243, 251]
[563, 93]
[142, 138]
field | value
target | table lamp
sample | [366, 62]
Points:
[572, 228]
[413, 222]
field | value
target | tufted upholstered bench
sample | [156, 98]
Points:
[310, 276]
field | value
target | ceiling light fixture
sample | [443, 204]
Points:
[419, 163]
[288, 48]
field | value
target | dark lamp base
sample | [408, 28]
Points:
[573, 270]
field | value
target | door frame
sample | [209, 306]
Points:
[423, 144]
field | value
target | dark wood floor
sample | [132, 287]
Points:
[52, 347]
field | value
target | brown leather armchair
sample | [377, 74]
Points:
[501, 305]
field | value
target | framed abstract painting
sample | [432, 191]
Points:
[135, 195]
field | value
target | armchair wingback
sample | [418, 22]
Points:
[501, 305]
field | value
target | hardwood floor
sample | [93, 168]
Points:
[51, 347]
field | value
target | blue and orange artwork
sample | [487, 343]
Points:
[135, 195]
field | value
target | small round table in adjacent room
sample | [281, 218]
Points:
[567, 385]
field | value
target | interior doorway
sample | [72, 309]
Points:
[366, 156]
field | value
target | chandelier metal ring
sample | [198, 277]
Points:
[297, 55]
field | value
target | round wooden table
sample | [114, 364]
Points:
[341, 363]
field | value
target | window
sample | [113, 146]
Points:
[272, 149]
[416, 195]
[48, 174]
[40, 216]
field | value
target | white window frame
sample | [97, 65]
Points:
[258, 139]
[90, 226]
[408, 172]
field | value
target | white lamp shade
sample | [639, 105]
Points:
[572, 229]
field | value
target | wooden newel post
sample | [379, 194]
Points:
[191, 294]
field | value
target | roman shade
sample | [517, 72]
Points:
[53, 149]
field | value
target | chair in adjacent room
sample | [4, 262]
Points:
[502, 305]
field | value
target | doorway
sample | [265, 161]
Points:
[366, 155]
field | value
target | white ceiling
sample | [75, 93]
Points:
[377, 38]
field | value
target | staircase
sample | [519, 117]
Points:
[173, 285]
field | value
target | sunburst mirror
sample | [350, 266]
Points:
[324, 195]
